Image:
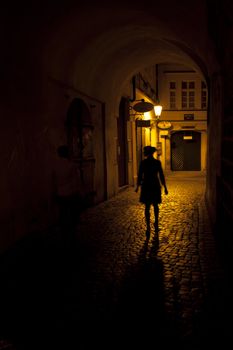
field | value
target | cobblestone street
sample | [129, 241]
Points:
[172, 283]
[175, 278]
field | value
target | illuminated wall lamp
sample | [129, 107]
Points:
[158, 110]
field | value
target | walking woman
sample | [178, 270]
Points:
[151, 179]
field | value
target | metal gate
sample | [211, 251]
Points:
[186, 151]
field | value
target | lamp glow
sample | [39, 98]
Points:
[158, 110]
[147, 116]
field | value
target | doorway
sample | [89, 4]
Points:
[186, 151]
[122, 151]
[80, 129]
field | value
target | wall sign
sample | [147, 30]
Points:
[164, 125]
[188, 116]
[143, 123]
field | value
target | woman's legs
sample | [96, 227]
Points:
[156, 213]
[147, 216]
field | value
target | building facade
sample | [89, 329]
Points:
[180, 132]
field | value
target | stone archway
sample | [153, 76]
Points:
[96, 60]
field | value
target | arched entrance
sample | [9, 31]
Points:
[122, 152]
[80, 141]
[186, 151]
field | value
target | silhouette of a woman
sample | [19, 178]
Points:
[150, 179]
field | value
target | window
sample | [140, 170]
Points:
[203, 85]
[203, 95]
[172, 85]
[184, 100]
[191, 99]
[172, 95]
[188, 94]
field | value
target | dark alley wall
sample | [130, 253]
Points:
[221, 30]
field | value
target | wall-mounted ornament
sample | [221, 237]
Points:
[164, 125]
